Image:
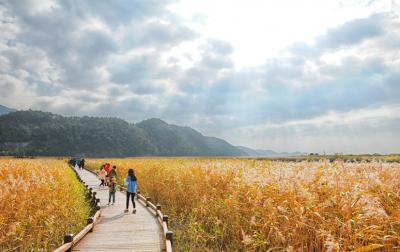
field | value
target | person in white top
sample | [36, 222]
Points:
[102, 175]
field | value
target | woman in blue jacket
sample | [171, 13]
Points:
[131, 187]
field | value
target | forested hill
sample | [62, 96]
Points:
[40, 133]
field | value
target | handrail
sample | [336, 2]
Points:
[82, 233]
[151, 205]
[163, 219]
[88, 228]
[70, 239]
[140, 197]
[64, 247]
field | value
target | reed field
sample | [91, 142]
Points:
[262, 205]
[40, 201]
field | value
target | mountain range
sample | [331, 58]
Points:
[34, 133]
[268, 153]
[37, 133]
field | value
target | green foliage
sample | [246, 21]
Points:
[34, 133]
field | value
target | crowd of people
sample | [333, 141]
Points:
[77, 163]
[108, 177]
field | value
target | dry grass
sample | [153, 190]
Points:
[40, 200]
[259, 205]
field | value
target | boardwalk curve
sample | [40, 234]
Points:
[119, 231]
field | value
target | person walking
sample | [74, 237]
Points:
[107, 169]
[113, 172]
[112, 190]
[82, 163]
[102, 175]
[131, 187]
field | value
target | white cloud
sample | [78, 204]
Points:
[16, 93]
[370, 116]
[366, 130]
[260, 29]
[261, 73]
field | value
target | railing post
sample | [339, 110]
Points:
[147, 201]
[89, 192]
[68, 238]
[165, 218]
[97, 207]
[94, 198]
[169, 235]
[158, 207]
[90, 221]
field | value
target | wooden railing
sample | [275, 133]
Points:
[162, 218]
[70, 239]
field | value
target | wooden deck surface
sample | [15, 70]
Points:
[119, 231]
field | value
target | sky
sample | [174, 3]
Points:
[305, 75]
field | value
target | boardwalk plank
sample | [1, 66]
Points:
[119, 231]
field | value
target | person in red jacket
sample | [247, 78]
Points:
[107, 167]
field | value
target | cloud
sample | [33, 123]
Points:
[64, 48]
[350, 33]
[155, 33]
[352, 76]
[125, 58]
[365, 115]
[15, 91]
[357, 131]
[294, 88]
[215, 62]
[140, 73]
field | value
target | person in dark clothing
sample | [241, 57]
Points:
[113, 172]
[82, 163]
[72, 162]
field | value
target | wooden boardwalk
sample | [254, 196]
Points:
[119, 231]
